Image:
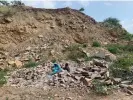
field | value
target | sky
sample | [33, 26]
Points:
[99, 10]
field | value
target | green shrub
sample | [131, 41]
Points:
[96, 44]
[128, 48]
[76, 54]
[7, 11]
[122, 67]
[73, 47]
[127, 36]
[113, 50]
[112, 22]
[17, 3]
[31, 64]
[100, 87]
[119, 49]
[7, 98]
[2, 78]
[53, 60]
[4, 2]
[81, 9]
[124, 63]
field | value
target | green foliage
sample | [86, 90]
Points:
[81, 9]
[115, 48]
[76, 47]
[14, 3]
[4, 2]
[31, 64]
[127, 36]
[2, 78]
[96, 44]
[128, 48]
[122, 67]
[91, 58]
[115, 29]
[119, 49]
[112, 21]
[73, 47]
[53, 60]
[100, 87]
[7, 11]
[17, 3]
[75, 52]
[7, 98]
[124, 63]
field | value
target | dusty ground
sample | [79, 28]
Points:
[11, 93]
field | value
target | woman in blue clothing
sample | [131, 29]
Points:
[56, 69]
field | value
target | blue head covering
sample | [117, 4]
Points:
[56, 68]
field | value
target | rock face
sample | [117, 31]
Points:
[104, 54]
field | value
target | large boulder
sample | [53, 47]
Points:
[104, 54]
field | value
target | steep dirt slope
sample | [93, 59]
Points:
[45, 32]
[58, 25]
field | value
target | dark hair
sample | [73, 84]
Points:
[66, 64]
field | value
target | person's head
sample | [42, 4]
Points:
[55, 64]
[66, 64]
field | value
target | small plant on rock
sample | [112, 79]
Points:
[100, 87]
[2, 78]
[113, 50]
[31, 64]
[96, 44]
[81, 9]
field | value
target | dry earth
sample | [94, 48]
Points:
[12, 93]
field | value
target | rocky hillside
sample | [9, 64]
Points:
[57, 25]
[46, 32]
[91, 54]
[60, 25]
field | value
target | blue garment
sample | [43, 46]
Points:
[56, 69]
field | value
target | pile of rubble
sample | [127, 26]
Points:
[78, 76]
